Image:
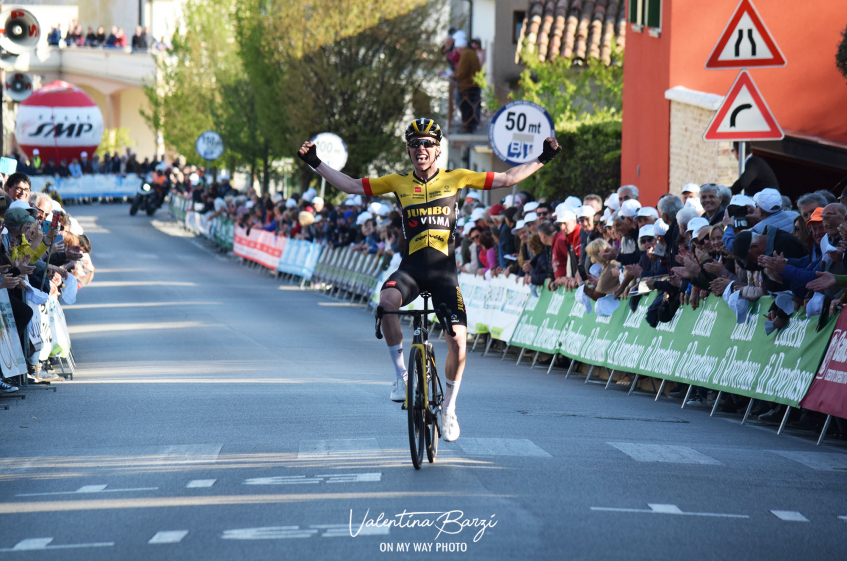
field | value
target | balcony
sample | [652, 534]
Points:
[115, 65]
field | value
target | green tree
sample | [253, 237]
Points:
[841, 54]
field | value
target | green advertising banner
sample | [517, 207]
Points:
[705, 347]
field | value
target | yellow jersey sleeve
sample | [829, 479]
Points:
[474, 179]
[379, 185]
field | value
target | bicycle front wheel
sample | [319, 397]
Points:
[414, 406]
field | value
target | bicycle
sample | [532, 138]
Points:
[423, 387]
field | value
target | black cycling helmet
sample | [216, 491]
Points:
[423, 127]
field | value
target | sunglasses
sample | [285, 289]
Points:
[474, 238]
[425, 142]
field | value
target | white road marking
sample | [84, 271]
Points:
[665, 453]
[198, 483]
[40, 544]
[668, 509]
[190, 453]
[789, 515]
[304, 480]
[342, 530]
[501, 447]
[283, 480]
[843, 518]
[338, 448]
[268, 533]
[170, 536]
[88, 489]
[820, 461]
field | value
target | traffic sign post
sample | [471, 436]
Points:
[745, 43]
[209, 146]
[518, 130]
[332, 151]
[743, 115]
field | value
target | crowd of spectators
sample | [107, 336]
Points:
[142, 41]
[110, 163]
[735, 243]
[37, 262]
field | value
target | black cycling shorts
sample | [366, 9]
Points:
[442, 284]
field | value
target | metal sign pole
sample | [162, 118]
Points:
[742, 156]
[323, 186]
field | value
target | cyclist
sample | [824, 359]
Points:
[428, 198]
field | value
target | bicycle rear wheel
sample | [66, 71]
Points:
[433, 429]
[414, 406]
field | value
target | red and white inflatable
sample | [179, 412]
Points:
[61, 121]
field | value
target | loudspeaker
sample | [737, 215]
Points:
[21, 31]
[18, 86]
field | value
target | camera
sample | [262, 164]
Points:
[738, 214]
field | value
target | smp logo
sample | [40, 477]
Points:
[50, 130]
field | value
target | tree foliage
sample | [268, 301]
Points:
[841, 54]
[268, 75]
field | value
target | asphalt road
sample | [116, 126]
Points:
[217, 413]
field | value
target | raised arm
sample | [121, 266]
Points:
[519, 173]
[341, 181]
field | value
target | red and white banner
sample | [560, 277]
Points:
[828, 392]
[259, 246]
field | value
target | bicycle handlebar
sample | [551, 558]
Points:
[442, 313]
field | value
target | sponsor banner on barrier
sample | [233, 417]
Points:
[493, 306]
[197, 223]
[94, 185]
[262, 247]
[59, 328]
[300, 258]
[474, 289]
[12, 360]
[828, 392]
[703, 347]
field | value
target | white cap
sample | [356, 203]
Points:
[741, 200]
[696, 223]
[75, 228]
[585, 211]
[630, 208]
[357, 200]
[35, 151]
[248, 204]
[384, 209]
[660, 227]
[472, 195]
[519, 226]
[363, 217]
[572, 203]
[317, 200]
[583, 298]
[467, 228]
[310, 194]
[290, 203]
[83, 154]
[691, 188]
[561, 207]
[607, 216]
[276, 197]
[595, 270]
[613, 202]
[194, 179]
[477, 214]
[350, 202]
[508, 201]
[769, 200]
[694, 202]
[374, 207]
[24, 205]
[529, 207]
[530, 217]
[648, 211]
[565, 215]
[647, 231]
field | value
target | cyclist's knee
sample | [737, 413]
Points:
[390, 299]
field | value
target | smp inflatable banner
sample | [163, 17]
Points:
[704, 347]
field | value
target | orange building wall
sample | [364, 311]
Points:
[808, 96]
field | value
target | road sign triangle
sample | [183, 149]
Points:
[743, 115]
[745, 43]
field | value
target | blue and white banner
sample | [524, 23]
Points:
[300, 258]
[89, 185]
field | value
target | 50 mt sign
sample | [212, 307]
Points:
[518, 130]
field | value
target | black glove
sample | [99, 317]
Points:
[311, 157]
[548, 153]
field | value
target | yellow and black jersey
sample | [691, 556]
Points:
[429, 208]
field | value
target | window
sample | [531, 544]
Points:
[647, 13]
[517, 26]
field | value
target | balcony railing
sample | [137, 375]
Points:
[132, 68]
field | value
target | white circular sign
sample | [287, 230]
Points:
[518, 130]
[331, 150]
[210, 145]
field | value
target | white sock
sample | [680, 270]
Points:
[450, 392]
[396, 352]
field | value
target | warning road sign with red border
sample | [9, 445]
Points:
[745, 43]
[743, 115]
